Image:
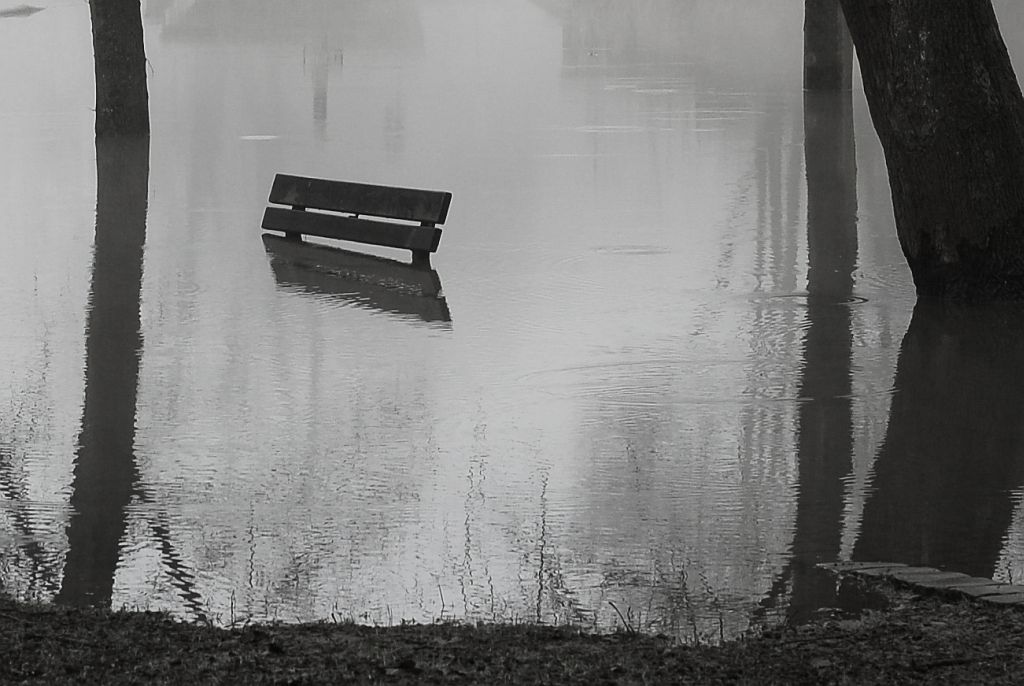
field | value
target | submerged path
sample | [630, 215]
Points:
[932, 579]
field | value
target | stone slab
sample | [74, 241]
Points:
[847, 566]
[939, 580]
[931, 578]
[1004, 599]
[917, 572]
[880, 571]
[976, 586]
[982, 590]
[974, 582]
[1005, 589]
[909, 573]
[1012, 588]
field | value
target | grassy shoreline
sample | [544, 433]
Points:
[919, 639]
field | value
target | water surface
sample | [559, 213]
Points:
[667, 358]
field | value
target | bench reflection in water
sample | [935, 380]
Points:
[380, 283]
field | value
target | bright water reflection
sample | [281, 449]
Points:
[658, 373]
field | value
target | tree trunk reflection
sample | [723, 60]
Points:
[105, 473]
[953, 454]
[825, 426]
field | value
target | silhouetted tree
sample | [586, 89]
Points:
[122, 98]
[949, 112]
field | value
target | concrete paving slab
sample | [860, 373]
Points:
[982, 590]
[879, 571]
[934, 579]
[915, 572]
[848, 566]
[974, 582]
[1007, 589]
[918, 573]
[1004, 599]
[940, 581]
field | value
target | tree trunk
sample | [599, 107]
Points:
[828, 51]
[122, 99]
[949, 112]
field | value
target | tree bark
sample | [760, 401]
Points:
[122, 98]
[950, 115]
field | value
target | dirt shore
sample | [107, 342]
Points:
[919, 639]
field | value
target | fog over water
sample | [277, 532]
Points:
[667, 358]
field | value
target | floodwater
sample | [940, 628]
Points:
[667, 359]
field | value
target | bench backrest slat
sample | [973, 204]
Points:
[374, 232]
[407, 204]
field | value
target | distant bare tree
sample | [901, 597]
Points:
[828, 51]
[122, 97]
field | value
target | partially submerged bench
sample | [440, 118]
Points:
[412, 215]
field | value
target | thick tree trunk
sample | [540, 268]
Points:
[122, 99]
[949, 112]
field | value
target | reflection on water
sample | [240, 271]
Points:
[376, 282]
[105, 474]
[825, 417]
[672, 387]
[952, 464]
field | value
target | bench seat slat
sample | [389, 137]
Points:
[409, 204]
[389, 234]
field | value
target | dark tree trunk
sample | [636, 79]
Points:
[828, 50]
[122, 99]
[949, 112]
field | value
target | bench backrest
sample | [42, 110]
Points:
[407, 204]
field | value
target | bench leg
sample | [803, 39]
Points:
[421, 258]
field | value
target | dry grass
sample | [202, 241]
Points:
[918, 640]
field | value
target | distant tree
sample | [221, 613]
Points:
[828, 51]
[122, 97]
[949, 112]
